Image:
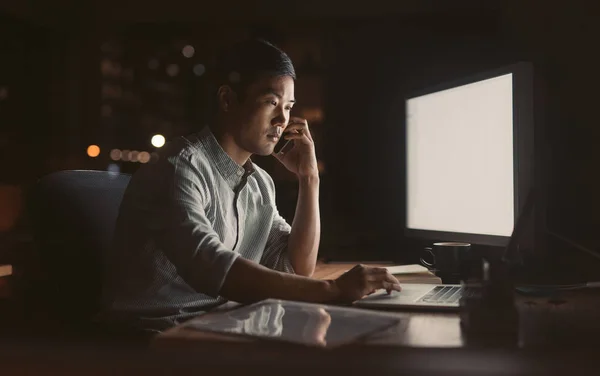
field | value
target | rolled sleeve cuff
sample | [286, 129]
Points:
[213, 276]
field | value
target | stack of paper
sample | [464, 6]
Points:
[413, 273]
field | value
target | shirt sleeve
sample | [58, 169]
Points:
[188, 238]
[275, 255]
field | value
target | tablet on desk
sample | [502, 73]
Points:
[295, 322]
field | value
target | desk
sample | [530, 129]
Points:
[568, 319]
[430, 344]
[417, 329]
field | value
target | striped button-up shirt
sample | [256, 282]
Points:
[182, 223]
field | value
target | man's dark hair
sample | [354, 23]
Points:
[246, 61]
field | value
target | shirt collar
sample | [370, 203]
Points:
[228, 168]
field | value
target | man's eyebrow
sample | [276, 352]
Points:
[273, 92]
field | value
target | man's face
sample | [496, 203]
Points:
[263, 113]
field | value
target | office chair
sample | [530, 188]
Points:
[73, 218]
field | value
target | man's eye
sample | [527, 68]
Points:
[274, 103]
[288, 108]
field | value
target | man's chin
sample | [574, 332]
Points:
[265, 151]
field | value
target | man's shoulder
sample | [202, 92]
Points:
[181, 158]
[189, 148]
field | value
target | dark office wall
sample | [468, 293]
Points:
[561, 41]
[376, 64]
[50, 109]
[372, 62]
[23, 74]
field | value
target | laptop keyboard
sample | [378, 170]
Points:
[446, 294]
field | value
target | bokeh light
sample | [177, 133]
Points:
[154, 157]
[133, 157]
[115, 154]
[125, 155]
[158, 140]
[199, 69]
[93, 151]
[188, 51]
[144, 157]
[172, 70]
[3, 93]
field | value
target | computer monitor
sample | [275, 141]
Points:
[469, 156]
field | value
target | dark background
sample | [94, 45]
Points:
[76, 73]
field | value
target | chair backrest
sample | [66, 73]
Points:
[73, 219]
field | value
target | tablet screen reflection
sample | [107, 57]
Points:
[308, 324]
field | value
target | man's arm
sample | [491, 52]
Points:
[249, 282]
[303, 243]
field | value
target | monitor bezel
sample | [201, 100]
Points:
[522, 79]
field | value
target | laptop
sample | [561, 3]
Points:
[416, 295]
[445, 296]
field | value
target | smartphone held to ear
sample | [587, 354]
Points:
[283, 146]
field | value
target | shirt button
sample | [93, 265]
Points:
[240, 173]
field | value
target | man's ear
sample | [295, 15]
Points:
[226, 97]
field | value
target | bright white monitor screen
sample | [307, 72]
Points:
[460, 159]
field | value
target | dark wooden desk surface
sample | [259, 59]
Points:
[562, 320]
[417, 329]
[430, 344]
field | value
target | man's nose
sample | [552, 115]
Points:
[281, 120]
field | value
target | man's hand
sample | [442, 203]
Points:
[301, 158]
[363, 280]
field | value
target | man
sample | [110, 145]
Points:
[200, 226]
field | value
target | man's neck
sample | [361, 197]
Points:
[229, 145]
